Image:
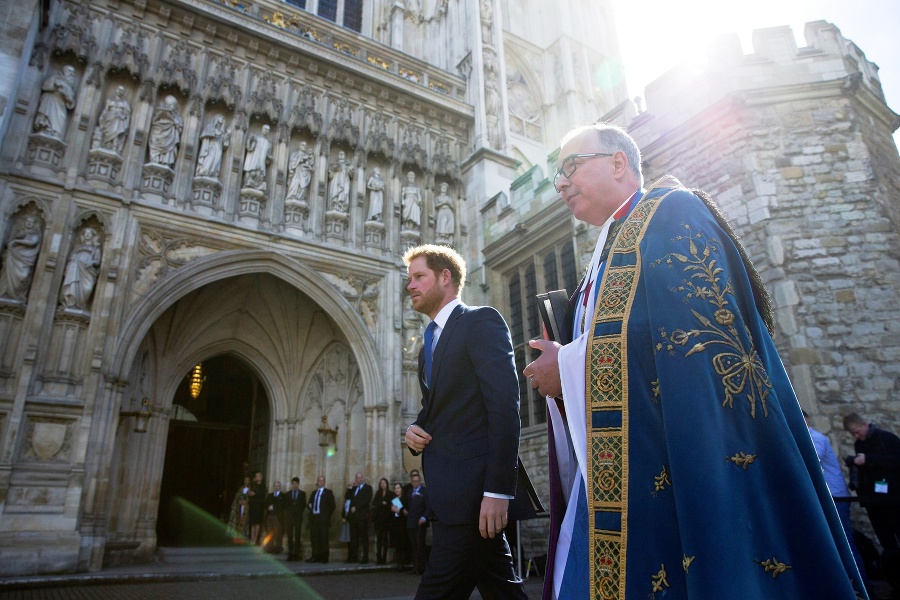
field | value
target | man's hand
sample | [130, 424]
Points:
[860, 459]
[417, 438]
[493, 516]
[353, 509]
[422, 521]
[543, 374]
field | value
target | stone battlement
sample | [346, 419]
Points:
[777, 62]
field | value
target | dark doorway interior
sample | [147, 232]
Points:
[215, 438]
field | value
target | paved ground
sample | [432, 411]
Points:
[378, 585]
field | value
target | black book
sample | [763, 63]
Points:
[552, 307]
[526, 504]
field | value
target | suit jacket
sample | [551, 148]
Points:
[293, 510]
[417, 507]
[277, 503]
[471, 410]
[360, 501]
[326, 504]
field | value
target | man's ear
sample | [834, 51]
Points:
[620, 163]
[446, 277]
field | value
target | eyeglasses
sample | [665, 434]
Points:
[568, 166]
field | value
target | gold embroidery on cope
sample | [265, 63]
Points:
[687, 561]
[658, 581]
[740, 368]
[661, 481]
[773, 566]
[742, 459]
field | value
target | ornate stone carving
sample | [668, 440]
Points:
[257, 158]
[378, 139]
[342, 127]
[223, 83]
[445, 221]
[74, 33]
[159, 255]
[444, 161]
[264, 97]
[177, 68]
[47, 440]
[112, 127]
[81, 271]
[127, 53]
[339, 175]
[20, 255]
[375, 186]
[304, 113]
[411, 151]
[411, 204]
[361, 292]
[165, 132]
[57, 99]
[300, 168]
[214, 139]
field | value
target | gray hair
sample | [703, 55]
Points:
[612, 138]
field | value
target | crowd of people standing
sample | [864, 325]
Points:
[398, 514]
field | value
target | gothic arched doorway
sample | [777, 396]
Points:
[218, 433]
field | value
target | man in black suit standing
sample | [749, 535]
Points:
[467, 431]
[321, 506]
[360, 499]
[275, 506]
[417, 522]
[295, 504]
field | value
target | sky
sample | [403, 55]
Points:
[656, 35]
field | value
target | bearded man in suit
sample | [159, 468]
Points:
[467, 431]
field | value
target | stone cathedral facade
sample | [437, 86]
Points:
[203, 205]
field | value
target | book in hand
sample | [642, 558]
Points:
[396, 502]
[552, 307]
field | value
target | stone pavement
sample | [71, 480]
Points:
[222, 574]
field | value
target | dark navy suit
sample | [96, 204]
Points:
[471, 410]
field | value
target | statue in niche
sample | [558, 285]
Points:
[81, 271]
[411, 201]
[21, 254]
[57, 99]
[165, 133]
[259, 155]
[112, 128]
[300, 168]
[487, 20]
[446, 222]
[212, 142]
[375, 185]
[339, 188]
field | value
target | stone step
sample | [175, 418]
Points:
[193, 555]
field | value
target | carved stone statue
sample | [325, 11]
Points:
[339, 188]
[21, 254]
[300, 168]
[212, 141]
[446, 221]
[411, 201]
[57, 99]
[259, 155]
[112, 128]
[375, 185]
[165, 132]
[81, 271]
[487, 20]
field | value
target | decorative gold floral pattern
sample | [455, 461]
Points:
[687, 561]
[773, 566]
[740, 367]
[742, 459]
[661, 481]
[658, 581]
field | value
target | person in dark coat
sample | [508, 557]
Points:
[381, 519]
[294, 505]
[274, 519]
[257, 496]
[360, 496]
[399, 540]
[417, 524]
[321, 506]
